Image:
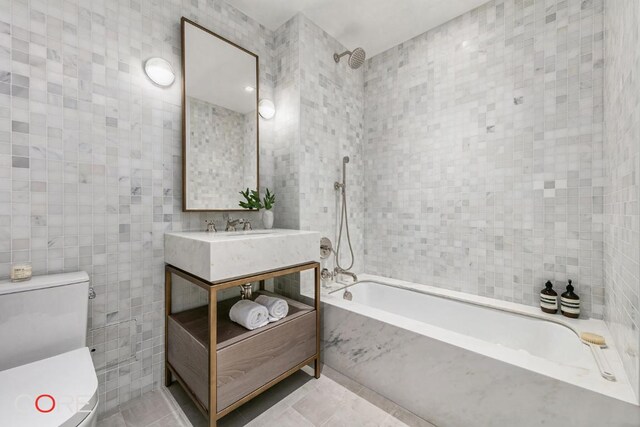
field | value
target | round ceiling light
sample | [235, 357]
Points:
[159, 71]
[266, 109]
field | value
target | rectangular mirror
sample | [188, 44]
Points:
[219, 120]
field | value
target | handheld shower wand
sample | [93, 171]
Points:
[344, 220]
[341, 185]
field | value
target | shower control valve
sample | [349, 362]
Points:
[326, 274]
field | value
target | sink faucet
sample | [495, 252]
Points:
[211, 226]
[339, 270]
[232, 224]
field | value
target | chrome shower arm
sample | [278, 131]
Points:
[336, 57]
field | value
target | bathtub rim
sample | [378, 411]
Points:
[592, 380]
[516, 311]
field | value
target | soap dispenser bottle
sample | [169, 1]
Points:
[548, 299]
[570, 303]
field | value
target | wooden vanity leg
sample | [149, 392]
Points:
[213, 372]
[167, 312]
[317, 367]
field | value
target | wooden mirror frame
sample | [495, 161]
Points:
[184, 21]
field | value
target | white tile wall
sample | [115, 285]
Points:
[622, 188]
[90, 158]
[483, 153]
[319, 120]
[287, 124]
[331, 127]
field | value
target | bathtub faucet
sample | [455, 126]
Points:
[339, 270]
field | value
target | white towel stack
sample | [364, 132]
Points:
[277, 307]
[249, 314]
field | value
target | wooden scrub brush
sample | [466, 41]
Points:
[596, 342]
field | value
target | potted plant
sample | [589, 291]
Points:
[267, 216]
[252, 201]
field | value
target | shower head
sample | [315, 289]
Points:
[345, 159]
[356, 57]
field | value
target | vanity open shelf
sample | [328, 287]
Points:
[196, 321]
[245, 362]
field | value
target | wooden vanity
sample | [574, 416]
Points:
[220, 364]
[245, 362]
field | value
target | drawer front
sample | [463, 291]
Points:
[190, 359]
[247, 365]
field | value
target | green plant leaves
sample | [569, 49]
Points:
[252, 200]
[269, 200]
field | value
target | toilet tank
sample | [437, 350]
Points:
[42, 317]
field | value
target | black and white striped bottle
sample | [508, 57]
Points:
[548, 299]
[570, 303]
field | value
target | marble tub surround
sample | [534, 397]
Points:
[575, 365]
[456, 380]
[226, 255]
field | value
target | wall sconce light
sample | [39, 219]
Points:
[266, 109]
[159, 71]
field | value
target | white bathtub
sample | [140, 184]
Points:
[461, 360]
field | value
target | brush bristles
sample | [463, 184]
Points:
[593, 338]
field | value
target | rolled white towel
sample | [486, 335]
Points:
[249, 314]
[277, 307]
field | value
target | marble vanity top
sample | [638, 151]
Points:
[221, 256]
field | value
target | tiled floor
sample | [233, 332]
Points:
[298, 401]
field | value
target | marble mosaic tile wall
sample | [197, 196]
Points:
[331, 127]
[483, 153]
[221, 150]
[622, 187]
[319, 120]
[90, 159]
[287, 124]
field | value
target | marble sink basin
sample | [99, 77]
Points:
[220, 256]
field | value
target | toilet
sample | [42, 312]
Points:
[47, 376]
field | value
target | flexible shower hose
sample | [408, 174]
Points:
[344, 220]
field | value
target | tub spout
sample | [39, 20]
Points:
[338, 270]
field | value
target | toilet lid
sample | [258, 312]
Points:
[59, 391]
